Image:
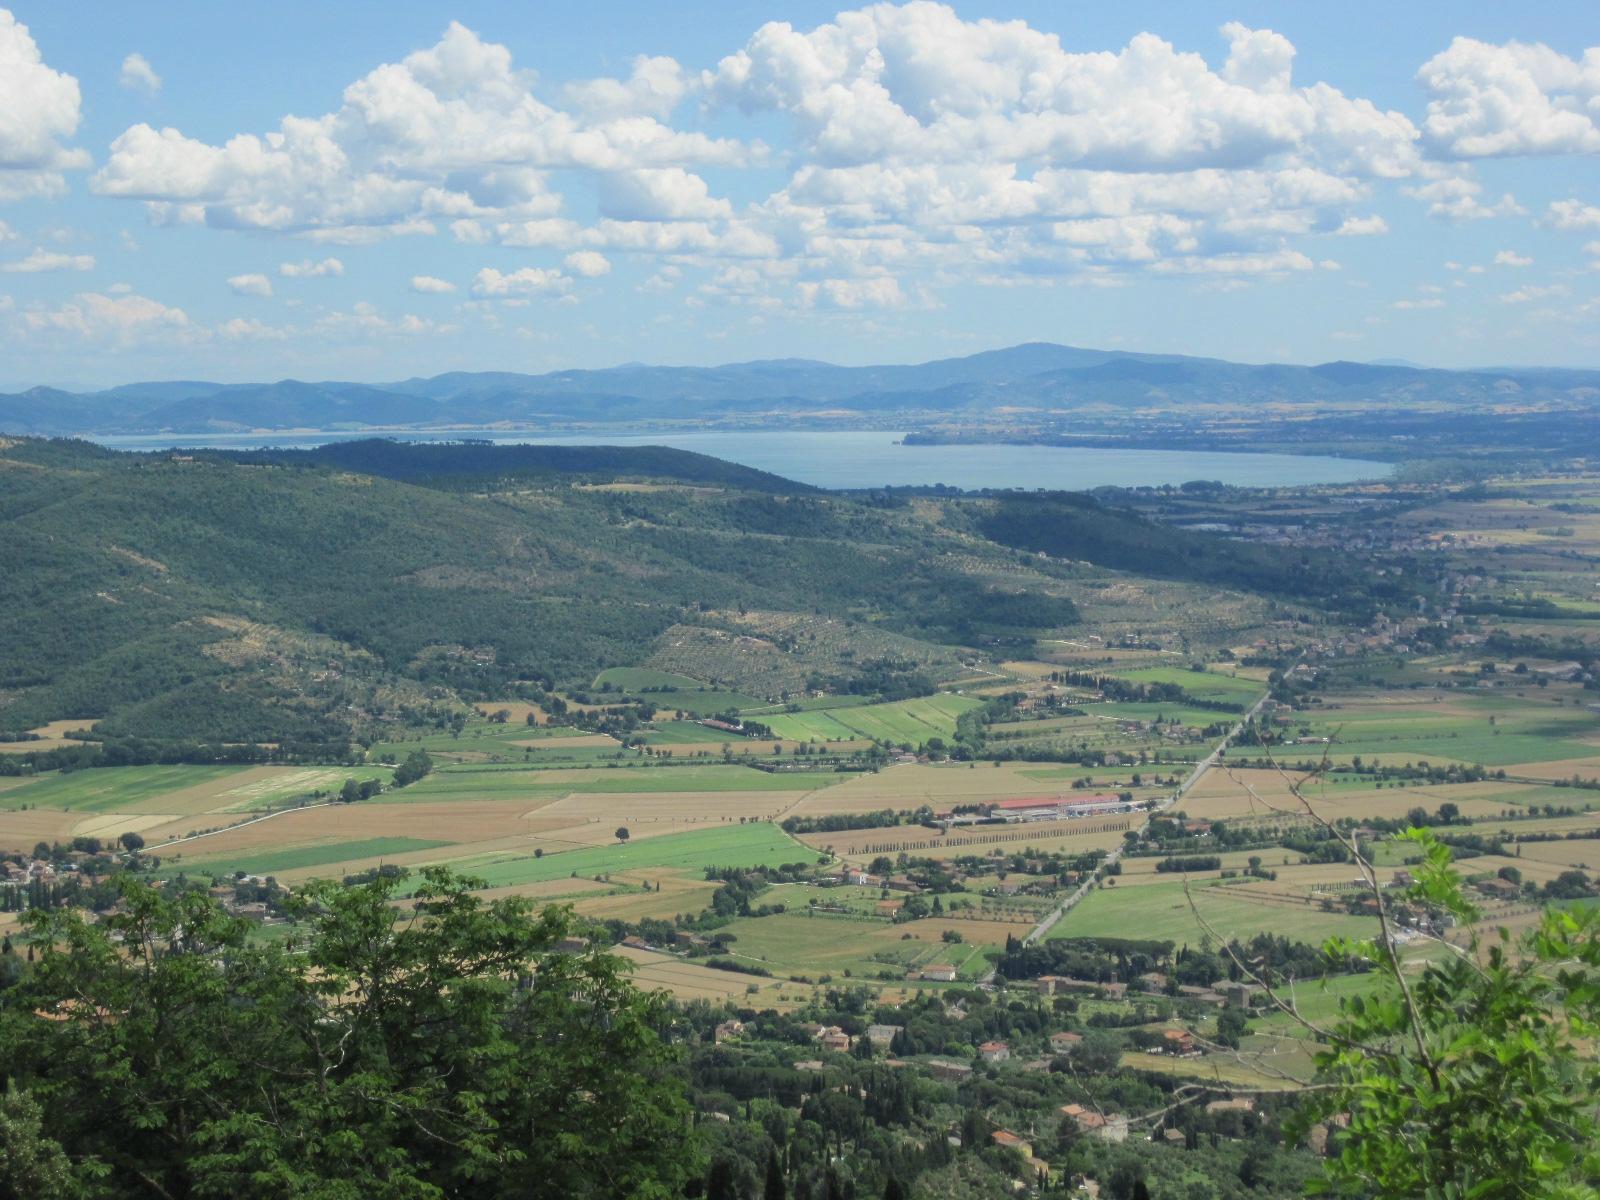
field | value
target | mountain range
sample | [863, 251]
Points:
[1037, 377]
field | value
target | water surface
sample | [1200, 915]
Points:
[853, 459]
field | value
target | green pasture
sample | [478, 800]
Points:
[755, 844]
[299, 858]
[679, 733]
[489, 783]
[635, 679]
[671, 692]
[1162, 912]
[1203, 685]
[798, 943]
[913, 721]
[106, 789]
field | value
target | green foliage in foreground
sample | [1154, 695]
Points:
[441, 1051]
[1478, 1077]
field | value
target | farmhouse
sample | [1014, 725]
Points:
[1010, 1141]
[1178, 1042]
[1108, 1127]
[1237, 1104]
[835, 1039]
[939, 973]
[881, 1035]
[1058, 985]
[948, 1070]
[994, 1052]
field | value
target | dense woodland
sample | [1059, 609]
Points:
[284, 598]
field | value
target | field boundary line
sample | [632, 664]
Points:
[195, 837]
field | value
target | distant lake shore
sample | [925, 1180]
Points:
[855, 459]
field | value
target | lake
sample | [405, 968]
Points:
[855, 459]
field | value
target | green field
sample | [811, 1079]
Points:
[457, 783]
[307, 856]
[481, 738]
[679, 733]
[1161, 911]
[796, 942]
[670, 692]
[106, 789]
[1202, 685]
[911, 721]
[635, 679]
[756, 844]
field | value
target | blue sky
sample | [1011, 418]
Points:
[371, 192]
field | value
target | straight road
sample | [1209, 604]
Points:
[1048, 921]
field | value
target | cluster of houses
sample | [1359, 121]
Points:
[33, 870]
[1045, 808]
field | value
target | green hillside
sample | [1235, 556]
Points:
[213, 598]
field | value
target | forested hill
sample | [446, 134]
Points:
[480, 464]
[236, 598]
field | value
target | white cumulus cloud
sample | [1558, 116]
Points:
[1491, 100]
[590, 264]
[430, 284]
[524, 282]
[39, 111]
[453, 131]
[250, 285]
[1510, 258]
[1362, 226]
[139, 75]
[310, 268]
[1571, 216]
[48, 260]
[119, 320]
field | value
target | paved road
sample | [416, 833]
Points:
[1048, 921]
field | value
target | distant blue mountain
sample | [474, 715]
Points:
[1036, 374]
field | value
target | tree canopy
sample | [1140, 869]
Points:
[438, 1047]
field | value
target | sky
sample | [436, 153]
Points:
[376, 191]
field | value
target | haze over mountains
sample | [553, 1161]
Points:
[1035, 376]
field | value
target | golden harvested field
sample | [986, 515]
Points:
[577, 741]
[52, 736]
[680, 893]
[21, 830]
[473, 826]
[1254, 792]
[548, 890]
[690, 981]
[1559, 856]
[1066, 836]
[473, 829]
[676, 811]
[1588, 768]
[518, 709]
[255, 787]
[112, 825]
[909, 786]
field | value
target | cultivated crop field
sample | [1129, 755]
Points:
[1256, 792]
[1162, 911]
[757, 843]
[799, 943]
[1070, 837]
[903, 721]
[909, 786]
[158, 802]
